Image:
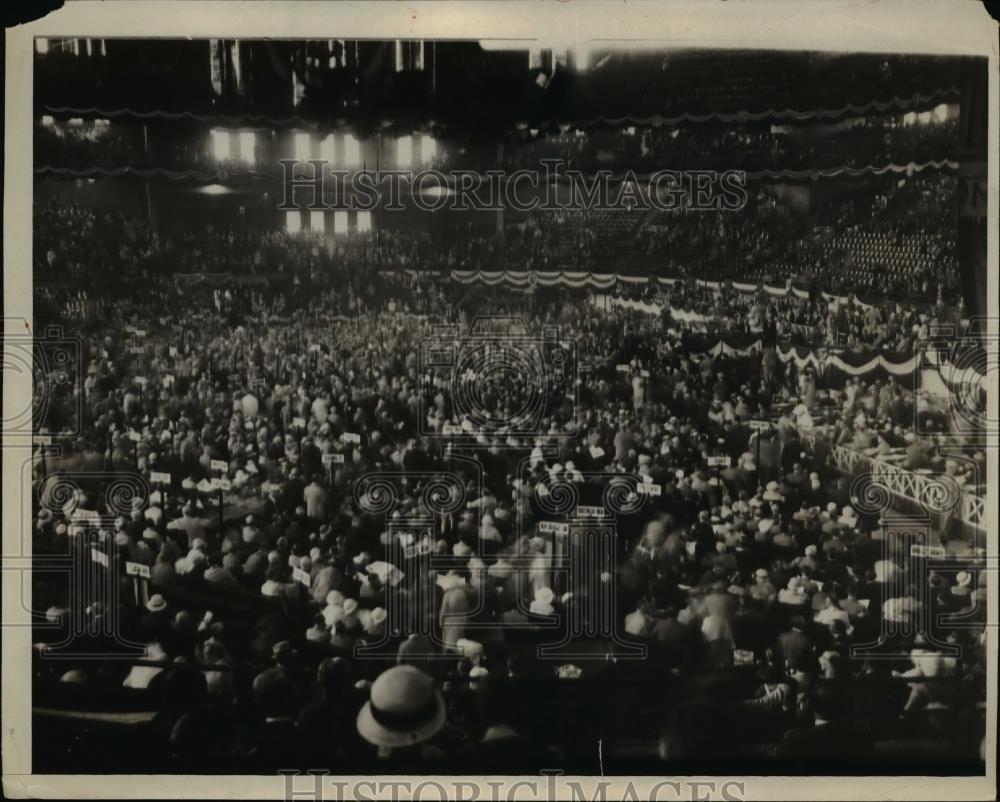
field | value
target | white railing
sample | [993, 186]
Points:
[934, 492]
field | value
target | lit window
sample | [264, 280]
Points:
[352, 151]
[364, 222]
[75, 46]
[298, 89]
[418, 56]
[42, 46]
[428, 148]
[327, 150]
[293, 221]
[404, 151]
[399, 56]
[302, 149]
[317, 221]
[90, 47]
[101, 48]
[48, 121]
[248, 145]
[220, 144]
[340, 222]
[76, 122]
[215, 64]
[237, 69]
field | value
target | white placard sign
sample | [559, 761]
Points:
[137, 569]
[553, 527]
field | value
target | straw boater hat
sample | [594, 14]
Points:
[156, 603]
[772, 492]
[848, 516]
[542, 604]
[404, 709]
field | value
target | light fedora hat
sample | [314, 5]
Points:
[404, 708]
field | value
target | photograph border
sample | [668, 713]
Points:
[957, 27]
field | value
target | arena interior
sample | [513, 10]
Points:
[623, 490]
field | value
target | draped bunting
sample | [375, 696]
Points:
[158, 114]
[849, 109]
[909, 168]
[726, 344]
[957, 377]
[204, 279]
[522, 279]
[771, 289]
[870, 169]
[801, 355]
[861, 362]
[147, 172]
[853, 363]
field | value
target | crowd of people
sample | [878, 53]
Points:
[876, 140]
[359, 557]
[862, 142]
[896, 241]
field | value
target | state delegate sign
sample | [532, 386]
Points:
[584, 511]
[159, 477]
[719, 462]
[330, 459]
[220, 465]
[553, 527]
[137, 569]
[649, 489]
